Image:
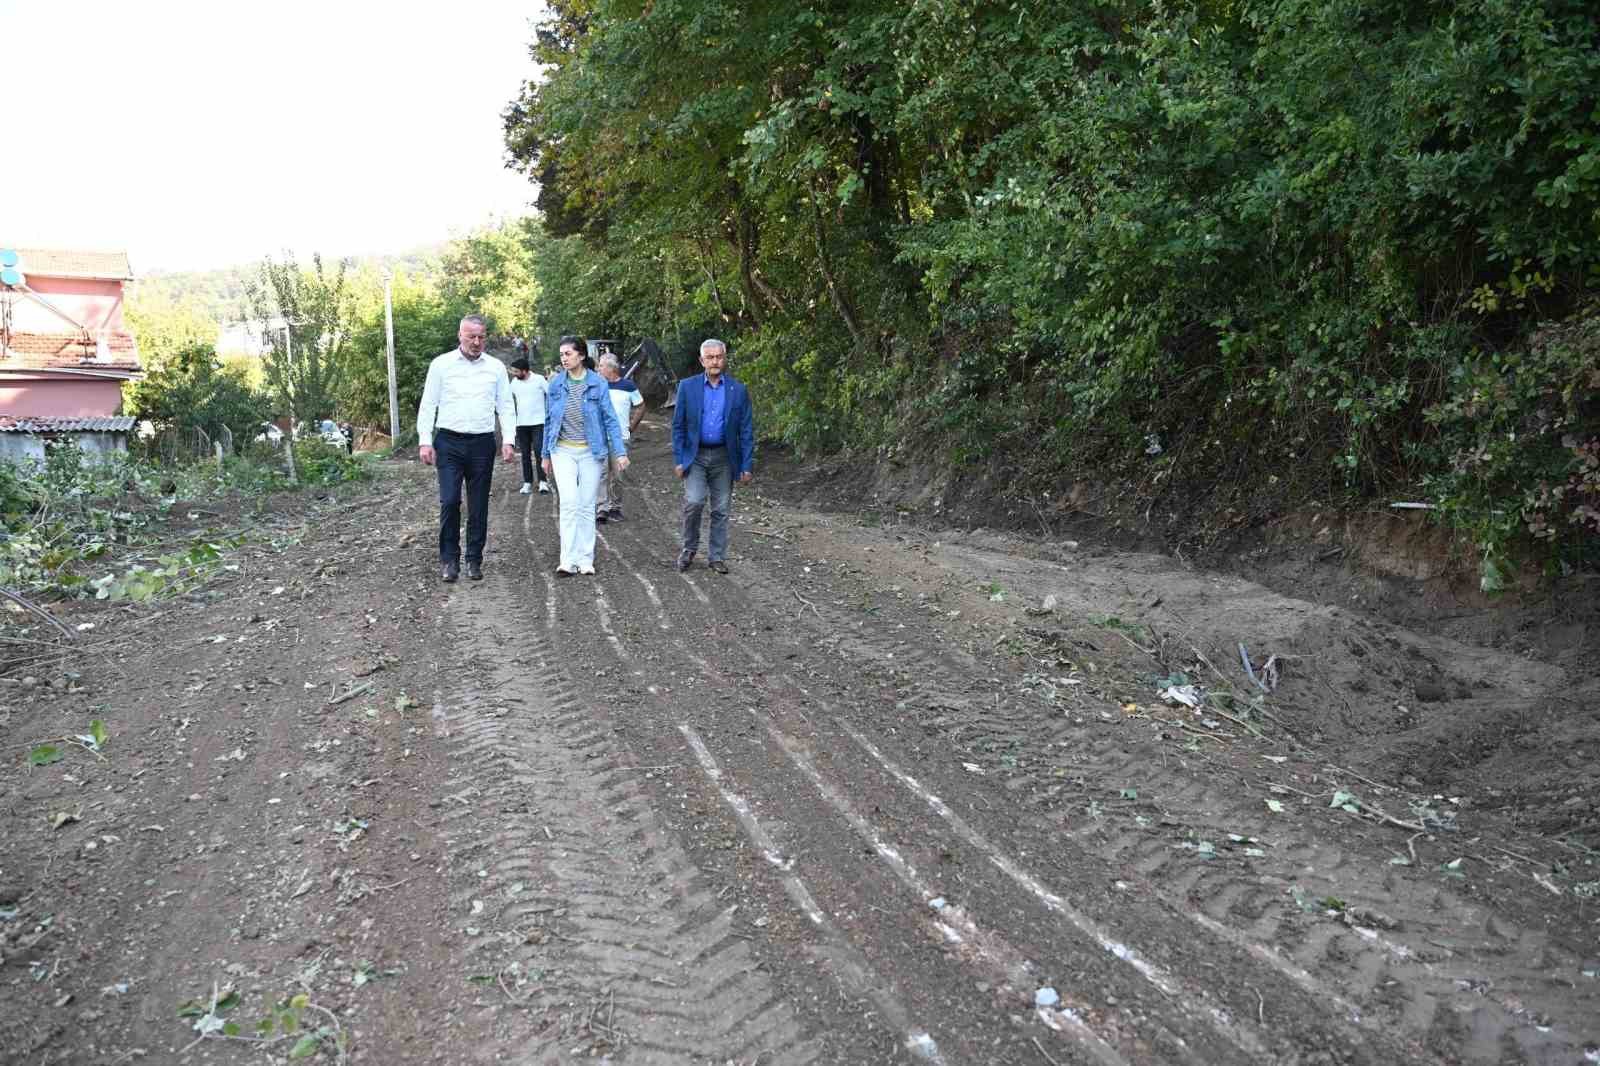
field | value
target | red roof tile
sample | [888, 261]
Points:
[54, 263]
[71, 350]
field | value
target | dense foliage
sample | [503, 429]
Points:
[185, 385]
[1261, 249]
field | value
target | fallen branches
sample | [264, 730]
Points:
[29, 605]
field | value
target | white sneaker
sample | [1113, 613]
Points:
[544, 487]
[527, 487]
[586, 569]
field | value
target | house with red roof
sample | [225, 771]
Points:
[65, 350]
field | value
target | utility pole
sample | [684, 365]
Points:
[288, 353]
[388, 329]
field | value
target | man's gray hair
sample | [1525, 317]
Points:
[476, 320]
[712, 342]
[610, 361]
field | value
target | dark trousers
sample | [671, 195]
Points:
[462, 457]
[530, 442]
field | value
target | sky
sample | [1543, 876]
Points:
[198, 135]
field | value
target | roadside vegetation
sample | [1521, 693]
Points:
[134, 527]
[1236, 256]
[319, 326]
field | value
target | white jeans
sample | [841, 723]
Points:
[577, 481]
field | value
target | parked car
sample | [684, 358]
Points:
[329, 431]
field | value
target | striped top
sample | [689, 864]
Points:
[572, 431]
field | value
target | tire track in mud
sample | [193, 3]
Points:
[984, 949]
[1406, 959]
[850, 889]
[578, 909]
[1418, 979]
[1380, 962]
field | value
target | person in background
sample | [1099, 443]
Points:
[464, 394]
[629, 404]
[528, 392]
[580, 430]
[713, 445]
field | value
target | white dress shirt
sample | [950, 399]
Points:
[465, 395]
[529, 393]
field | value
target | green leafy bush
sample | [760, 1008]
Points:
[1519, 451]
[321, 463]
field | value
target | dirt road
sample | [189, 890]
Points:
[880, 794]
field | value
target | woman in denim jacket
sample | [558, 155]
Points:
[578, 432]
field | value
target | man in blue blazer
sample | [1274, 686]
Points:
[713, 445]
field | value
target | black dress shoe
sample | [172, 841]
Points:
[475, 571]
[718, 565]
[449, 571]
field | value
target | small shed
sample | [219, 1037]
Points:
[24, 438]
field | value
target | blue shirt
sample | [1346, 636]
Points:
[713, 413]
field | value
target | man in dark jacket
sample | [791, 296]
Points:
[713, 445]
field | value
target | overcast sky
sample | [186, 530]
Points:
[196, 135]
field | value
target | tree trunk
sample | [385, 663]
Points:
[841, 299]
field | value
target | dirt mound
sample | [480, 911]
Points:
[1478, 696]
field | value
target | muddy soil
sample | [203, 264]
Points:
[885, 792]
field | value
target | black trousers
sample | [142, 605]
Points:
[530, 442]
[469, 458]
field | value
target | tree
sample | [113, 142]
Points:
[167, 327]
[305, 320]
[491, 272]
[191, 389]
[425, 324]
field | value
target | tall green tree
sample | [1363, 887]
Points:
[492, 271]
[304, 315]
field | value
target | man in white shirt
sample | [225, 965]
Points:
[528, 390]
[464, 394]
[629, 405]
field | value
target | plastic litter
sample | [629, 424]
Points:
[1188, 695]
[1046, 997]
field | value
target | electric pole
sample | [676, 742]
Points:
[388, 329]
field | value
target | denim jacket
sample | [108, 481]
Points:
[739, 425]
[600, 423]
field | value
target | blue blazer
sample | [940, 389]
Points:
[600, 425]
[738, 429]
